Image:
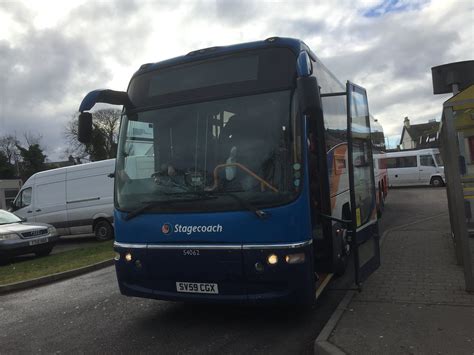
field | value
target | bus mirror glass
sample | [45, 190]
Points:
[308, 94]
[84, 131]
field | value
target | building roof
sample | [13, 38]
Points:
[423, 134]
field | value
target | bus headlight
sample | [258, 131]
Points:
[272, 259]
[298, 258]
[117, 256]
[128, 257]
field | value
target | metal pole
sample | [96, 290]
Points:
[456, 191]
[451, 209]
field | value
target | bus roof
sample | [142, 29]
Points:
[293, 44]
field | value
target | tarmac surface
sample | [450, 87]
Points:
[416, 302]
[88, 314]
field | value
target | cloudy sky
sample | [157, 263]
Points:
[53, 52]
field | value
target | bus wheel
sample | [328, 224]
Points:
[381, 206]
[103, 230]
[343, 257]
[437, 182]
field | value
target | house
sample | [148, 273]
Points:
[8, 190]
[419, 136]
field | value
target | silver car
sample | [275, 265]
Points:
[18, 237]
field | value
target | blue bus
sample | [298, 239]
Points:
[244, 173]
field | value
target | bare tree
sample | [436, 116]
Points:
[32, 139]
[75, 149]
[8, 146]
[104, 136]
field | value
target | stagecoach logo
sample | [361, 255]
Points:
[166, 228]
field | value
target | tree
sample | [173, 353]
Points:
[8, 147]
[105, 124]
[32, 160]
[7, 170]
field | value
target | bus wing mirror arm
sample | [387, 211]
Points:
[111, 97]
[309, 98]
[105, 96]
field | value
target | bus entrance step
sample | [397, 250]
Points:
[322, 282]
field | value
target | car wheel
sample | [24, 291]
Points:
[4, 260]
[103, 230]
[44, 251]
[437, 182]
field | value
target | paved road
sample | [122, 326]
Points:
[87, 314]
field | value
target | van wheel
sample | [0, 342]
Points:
[437, 182]
[103, 230]
[44, 251]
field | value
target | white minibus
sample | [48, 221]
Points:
[415, 167]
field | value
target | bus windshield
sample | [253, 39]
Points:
[243, 146]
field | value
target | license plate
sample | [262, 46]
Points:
[38, 241]
[196, 287]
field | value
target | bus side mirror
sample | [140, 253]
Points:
[308, 94]
[84, 131]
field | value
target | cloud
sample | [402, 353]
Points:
[388, 6]
[51, 54]
[237, 12]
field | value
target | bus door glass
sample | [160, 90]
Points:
[365, 239]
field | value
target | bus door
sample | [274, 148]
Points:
[364, 227]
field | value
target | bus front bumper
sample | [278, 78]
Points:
[235, 274]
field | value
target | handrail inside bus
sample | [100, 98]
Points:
[240, 166]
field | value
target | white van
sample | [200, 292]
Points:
[415, 167]
[76, 199]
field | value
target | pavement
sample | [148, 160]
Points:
[416, 302]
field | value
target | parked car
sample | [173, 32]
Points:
[415, 167]
[76, 199]
[18, 237]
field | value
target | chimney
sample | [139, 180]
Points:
[406, 122]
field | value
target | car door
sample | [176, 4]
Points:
[364, 225]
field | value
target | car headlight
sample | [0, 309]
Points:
[52, 231]
[9, 236]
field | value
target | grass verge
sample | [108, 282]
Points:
[52, 264]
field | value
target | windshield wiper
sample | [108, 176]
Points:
[247, 205]
[150, 204]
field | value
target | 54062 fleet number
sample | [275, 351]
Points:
[191, 252]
